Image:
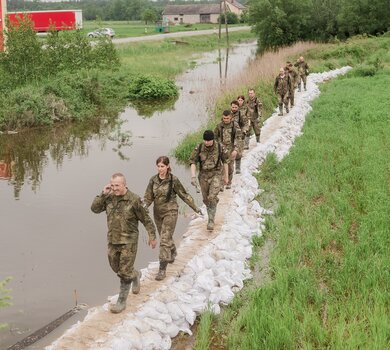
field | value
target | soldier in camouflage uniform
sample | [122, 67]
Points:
[294, 82]
[124, 210]
[254, 109]
[281, 87]
[242, 108]
[243, 122]
[303, 71]
[228, 133]
[162, 191]
[212, 157]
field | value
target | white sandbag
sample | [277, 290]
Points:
[156, 325]
[185, 328]
[189, 314]
[172, 330]
[150, 312]
[205, 280]
[226, 295]
[175, 311]
[150, 341]
[166, 343]
[139, 324]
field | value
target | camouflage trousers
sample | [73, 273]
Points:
[283, 99]
[291, 97]
[302, 77]
[230, 170]
[166, 223]
[210, 185]
[256, 126]
[121, 258]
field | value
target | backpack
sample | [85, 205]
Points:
[219, 155]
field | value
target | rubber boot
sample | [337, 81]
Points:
[299, 87]
[304, 87]
[211, 212]
[173, 255]
[287, 110]
[136, 284]
[280, 110]
[238, 166]
[121, 303]
[162, 271]
[246, 144]
[258, 138]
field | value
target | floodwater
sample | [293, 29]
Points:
[51, 244]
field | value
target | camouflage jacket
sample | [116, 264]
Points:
[123, 214]
[254, 108]
[164, 194]
[242, 120]
[229, 135]
[210, 158]
[303, 68]
[282, 84]
[293, 77]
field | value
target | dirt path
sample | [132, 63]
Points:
[175, 35]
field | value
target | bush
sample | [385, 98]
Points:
[149, 87]
[232, 18]
[364, 71]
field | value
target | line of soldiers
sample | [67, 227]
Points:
[288, 80]
[221, 149]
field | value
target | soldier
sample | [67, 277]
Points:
[243, 122]
[124, 210]
[253, 112]
[162, 190]
[212, 157]
[294, 82]
[303, 71]
[228, 133]
[281, 87]
[242, 108]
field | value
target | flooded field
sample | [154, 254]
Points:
[51, 244]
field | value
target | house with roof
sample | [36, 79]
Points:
[199, 13]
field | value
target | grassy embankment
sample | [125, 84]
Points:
[90, 92]
[330, 273]
[124, 29]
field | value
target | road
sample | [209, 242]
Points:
[174, 35]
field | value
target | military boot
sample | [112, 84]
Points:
[287, 110]
[299, 87]
[136, 284]
[258, 138]
[211, 212]
[121, 303]
[305, 87]
[173, 255]
[280, 110]
[246, 144]
[238, 166]
[162, 271]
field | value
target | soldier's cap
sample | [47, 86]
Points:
[208, 135]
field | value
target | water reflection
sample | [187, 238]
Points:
[24, 156]
[146, 109]
[222, 78]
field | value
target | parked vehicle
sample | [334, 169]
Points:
[45, 21]
[102, 32]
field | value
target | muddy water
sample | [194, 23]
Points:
[51, 244]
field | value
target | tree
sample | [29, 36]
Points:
[149, 15]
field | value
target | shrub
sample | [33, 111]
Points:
[364, 71]
[231, 17]
[149, 87]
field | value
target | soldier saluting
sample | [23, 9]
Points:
[212, 157]
[124, 210]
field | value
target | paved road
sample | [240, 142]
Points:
[175, 35]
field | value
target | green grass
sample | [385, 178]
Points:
[124, 29]
[330, 267]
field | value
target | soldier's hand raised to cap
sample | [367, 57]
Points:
[107, 189]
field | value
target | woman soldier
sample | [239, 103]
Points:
[242, 109]
[162, 190]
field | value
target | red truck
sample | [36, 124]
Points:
[46, 20]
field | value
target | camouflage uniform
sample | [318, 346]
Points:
[244, 124]
[303, 71]
[294, 83]
[242, 109]
[230, 136]
[281, 87]
[254, 109]
[163, 193]
[123, 214]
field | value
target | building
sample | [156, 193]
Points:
[190, 14]
[199, 13]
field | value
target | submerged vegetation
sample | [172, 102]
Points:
[330, 265]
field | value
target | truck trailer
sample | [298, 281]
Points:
[44, 21]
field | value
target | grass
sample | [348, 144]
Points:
[330, 266]
[124, 29]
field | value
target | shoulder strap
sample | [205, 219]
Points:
[219, 155]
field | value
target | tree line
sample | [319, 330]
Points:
[282, 22]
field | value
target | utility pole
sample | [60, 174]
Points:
[219, 20]
[3, 11]
[226, 24]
